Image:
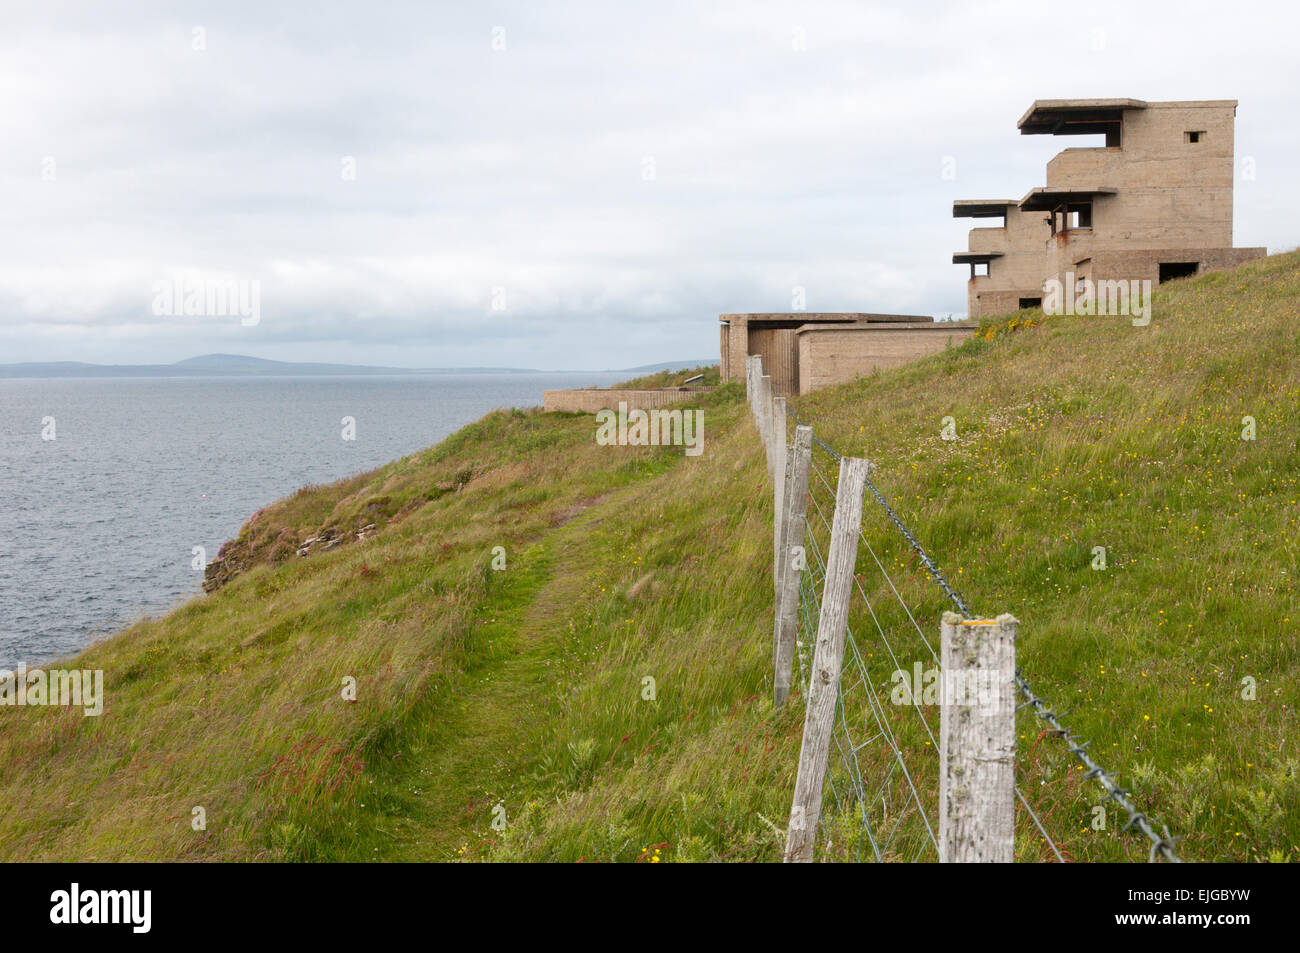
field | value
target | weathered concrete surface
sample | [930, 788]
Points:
[752, 333]
[773, 336]
[831, 354]
[590, 400]
[1159, 191]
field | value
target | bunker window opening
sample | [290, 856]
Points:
[1169, 270]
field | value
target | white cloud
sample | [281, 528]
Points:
[523, 169]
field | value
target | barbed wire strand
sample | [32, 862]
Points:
[822, 516]
[1161, 844]
[877, 712]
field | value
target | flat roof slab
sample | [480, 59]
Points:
[772, 317]
[1074, 117]
[981, 208]
[1043, 200]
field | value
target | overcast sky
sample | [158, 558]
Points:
[556, 185]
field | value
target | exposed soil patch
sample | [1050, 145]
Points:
[570, 513]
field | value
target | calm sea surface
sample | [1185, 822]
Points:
[97, 525]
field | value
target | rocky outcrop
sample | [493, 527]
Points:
[269, 537]
[250, 548]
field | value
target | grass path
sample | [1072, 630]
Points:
[474, 750]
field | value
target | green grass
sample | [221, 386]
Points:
[525, 688]
[709, 372]
[1081, 432]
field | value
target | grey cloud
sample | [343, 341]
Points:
[523, 168]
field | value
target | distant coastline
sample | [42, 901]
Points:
[235, 365]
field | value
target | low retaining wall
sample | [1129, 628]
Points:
[590, 400]
[833, 353]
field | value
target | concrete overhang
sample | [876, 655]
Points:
[981, 208]
[974, 257]
[1075, 117]
[925, 324]
[804, 317]
[1044, 200]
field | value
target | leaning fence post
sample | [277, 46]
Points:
[977, 739]
[778, 492]
[792, 523]
[841, 559]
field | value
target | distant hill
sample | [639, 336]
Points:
[668, 366]
[238, 365]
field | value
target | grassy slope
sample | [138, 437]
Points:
[675, 378]
[1083, 432]
[524, 687]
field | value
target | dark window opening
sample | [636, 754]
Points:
[1031, 303]
[1193, 135]
[1169, 270]
[1066, 217]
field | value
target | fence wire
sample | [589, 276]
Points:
[882, 757]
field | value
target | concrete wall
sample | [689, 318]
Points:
[1171, 193]
[735, 336]
[590, 400]
[770, 334]
[1019, 273]
[1084, 260]
[1173, 202]
[1003, 302]
[830, 354]
[1144, 264]
[777, 348]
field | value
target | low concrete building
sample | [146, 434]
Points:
[588, 400]
[832, 353]
[1153, 203]
[802, 351]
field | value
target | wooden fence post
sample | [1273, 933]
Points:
[751, 386]
[977, 739]
[779, 454]
[749, 382]
[828, 659]
[793, 523]
[778, 531]
[768, 421]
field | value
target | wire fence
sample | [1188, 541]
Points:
[881, 789]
